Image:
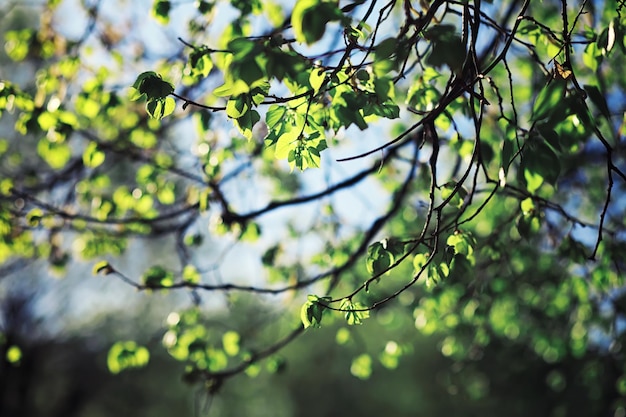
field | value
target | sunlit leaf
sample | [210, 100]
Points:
[152, 85]
[540, 163]
[159, 108]
[379, 258]
[127, 355]
[161, 11]
[312, 311]
[157, 276]
[191, 274]
[355, 313]
[548, 99]
[230, 341]
[316, 79]
[93, 157]
[309, 19]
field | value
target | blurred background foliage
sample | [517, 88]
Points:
[523, 324]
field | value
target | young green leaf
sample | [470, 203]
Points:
[152, 85]
[161, 11]
[160, 108]
[200, 62]
[599, 99]
[446, 47]
[246, 122]
[230, 342]
[379, 258]
[309, 19]
[287, 142]
[191, 274]
[158, 277]
[312, 311]
[92, 156]
[316, 79]
[355, 312]
[237, 106]
[548, 99]
[385, 48]
[540, 164]
[274, 115]
[126, 355]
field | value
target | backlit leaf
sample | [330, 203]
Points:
[127, 355]
[548, 99]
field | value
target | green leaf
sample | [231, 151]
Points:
[166, 194]
[386, 110]
[598, 99]
[439, 268]
[88, 107]
[17, 43]
[258, 94]
[463, 243]
[34, 217]
[606, 40]
[92, 157]
[126, 355]
[230, 342]
[241, 47]
[157, 277]
[383, 61]
[287, 142]
[592, 56]
[56, 154]
[316, 79]
[160, 108]
[385, 48]
[152, 85]
[540, 164]
[191, 274]
[349, 115]
[47, 120]
[237, 106]
[310, 153]
[528, 224]
[161, 11]
[269, 256]
[461, 266]
[224, 90]
[246, 122]
[274, 115]
[248, 71]
[528, 206]
[548, 99]
[200, 62]
[309, 19]
[312, 311]
[446, 47]
[355, 312]
[385, 91]
[204, 7]
[383, 67]
[419, 261]
[379, 259]
[455, 193]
